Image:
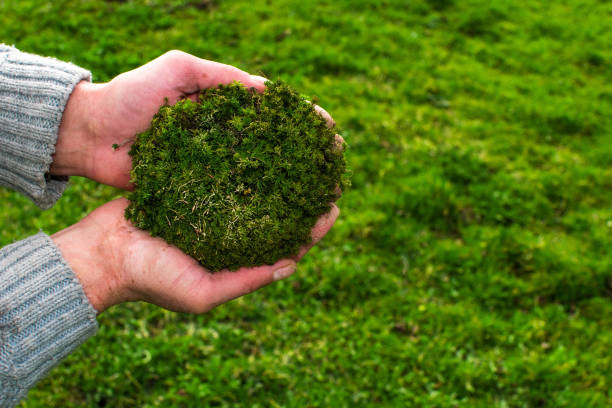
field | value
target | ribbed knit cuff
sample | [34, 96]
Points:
[33, 94]
[44, 314]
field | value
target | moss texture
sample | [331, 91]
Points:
[238, 179]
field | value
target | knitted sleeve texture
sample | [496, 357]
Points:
[33, 94]
[44, 312]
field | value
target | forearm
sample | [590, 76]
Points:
[44, 314]
[34, 92]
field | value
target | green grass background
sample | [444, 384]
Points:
[471, 265]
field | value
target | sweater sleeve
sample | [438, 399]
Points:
[33, 94]
[44, 314]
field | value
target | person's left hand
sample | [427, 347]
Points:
[97, 116]
[116, 262]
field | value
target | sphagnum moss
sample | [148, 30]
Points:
[238, 179]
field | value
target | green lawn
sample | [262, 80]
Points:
[472, 263]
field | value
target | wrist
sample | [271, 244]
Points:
[89, 251]
[74, 146]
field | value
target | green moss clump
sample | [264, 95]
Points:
[238, 179]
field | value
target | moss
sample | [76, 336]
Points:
[238, 179]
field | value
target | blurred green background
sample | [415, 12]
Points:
[472, 263]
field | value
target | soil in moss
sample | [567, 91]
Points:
[237, 179]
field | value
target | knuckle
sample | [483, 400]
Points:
[175, 56]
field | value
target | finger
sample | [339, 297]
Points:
[227, 285]
[339, 142]
[338, 192]
[322, 227]
[340, 147]
[194, 97]
[202, 74]
[261, 80]
[323, 113]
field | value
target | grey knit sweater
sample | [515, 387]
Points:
[44, 313]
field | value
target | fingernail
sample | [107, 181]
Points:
[284, 270]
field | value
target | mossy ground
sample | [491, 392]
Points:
[237, 179]
[471, 265]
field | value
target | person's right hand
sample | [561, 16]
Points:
[117, 262]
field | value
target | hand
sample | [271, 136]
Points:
[100, 115]
[117, 262]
